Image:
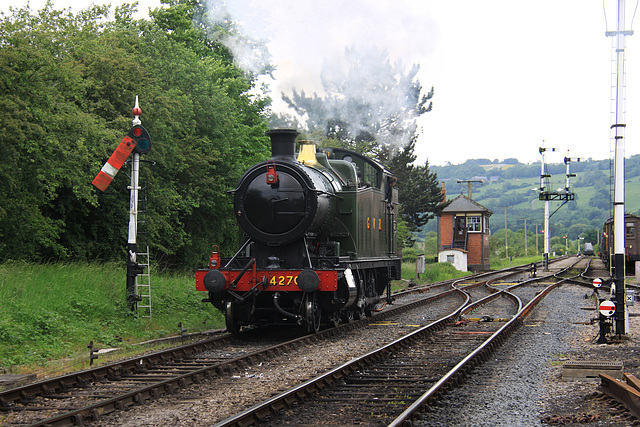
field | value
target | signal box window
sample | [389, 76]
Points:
[474, 223]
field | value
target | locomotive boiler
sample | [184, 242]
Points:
[319, 239]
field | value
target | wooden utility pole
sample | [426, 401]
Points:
[506, 233]
[469, 185]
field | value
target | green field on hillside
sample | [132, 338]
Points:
[589, 209]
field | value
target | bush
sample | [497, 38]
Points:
[409, 255]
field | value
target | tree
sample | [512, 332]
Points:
[67, 88]
[419, 191]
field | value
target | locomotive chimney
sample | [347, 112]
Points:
[283, 144]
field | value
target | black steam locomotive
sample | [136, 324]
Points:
[631, 243]
[320, 247]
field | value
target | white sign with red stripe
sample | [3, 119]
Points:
[597, 283]
[607, 308]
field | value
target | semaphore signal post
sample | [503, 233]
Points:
[136, 142]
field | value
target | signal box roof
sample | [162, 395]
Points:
[464, 204]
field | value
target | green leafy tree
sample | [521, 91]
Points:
[67, 85]
[419, 190]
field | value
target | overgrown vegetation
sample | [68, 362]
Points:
[67, 87]
[434, 272]
[51, 311]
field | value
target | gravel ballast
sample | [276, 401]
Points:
[522, 385]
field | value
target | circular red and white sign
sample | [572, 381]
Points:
[597, 283]
[607, 308]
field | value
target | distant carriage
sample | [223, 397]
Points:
[631, 243]
[588, 249]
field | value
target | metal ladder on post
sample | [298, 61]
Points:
[143, 280]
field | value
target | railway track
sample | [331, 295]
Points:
[90, 395]
[375, 389]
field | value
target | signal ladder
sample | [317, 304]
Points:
[143, 280]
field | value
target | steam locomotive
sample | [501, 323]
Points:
[320, 239]
[631, 243]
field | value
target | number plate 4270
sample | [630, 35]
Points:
[283, 280]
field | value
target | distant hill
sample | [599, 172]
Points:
[510, 183]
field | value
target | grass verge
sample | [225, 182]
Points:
[52, 311]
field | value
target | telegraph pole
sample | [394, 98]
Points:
[469, 183]
[506, 233]
[526, 250]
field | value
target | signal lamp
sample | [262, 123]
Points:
[142, 138]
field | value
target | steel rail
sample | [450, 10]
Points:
[475, 358]
[260, 411]
[169, 386]
[9, 398]
[628, 394]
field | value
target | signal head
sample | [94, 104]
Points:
[142, 138]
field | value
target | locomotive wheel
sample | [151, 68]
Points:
[231, 318]
[313, 313]
[367, 311]
[370, 290]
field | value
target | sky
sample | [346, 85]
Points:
[509, 76]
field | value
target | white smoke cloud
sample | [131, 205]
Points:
[309, 44]
[304, 36]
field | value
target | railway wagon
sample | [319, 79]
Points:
[588, 249]
[319, 239]
[631, 243]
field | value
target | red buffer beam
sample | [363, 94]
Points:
[115, 162]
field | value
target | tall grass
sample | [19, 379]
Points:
[434, 272]
[49, 311]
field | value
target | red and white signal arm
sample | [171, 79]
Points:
[137, 140]
[597, 282]
[607, 308]
[113, 165]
